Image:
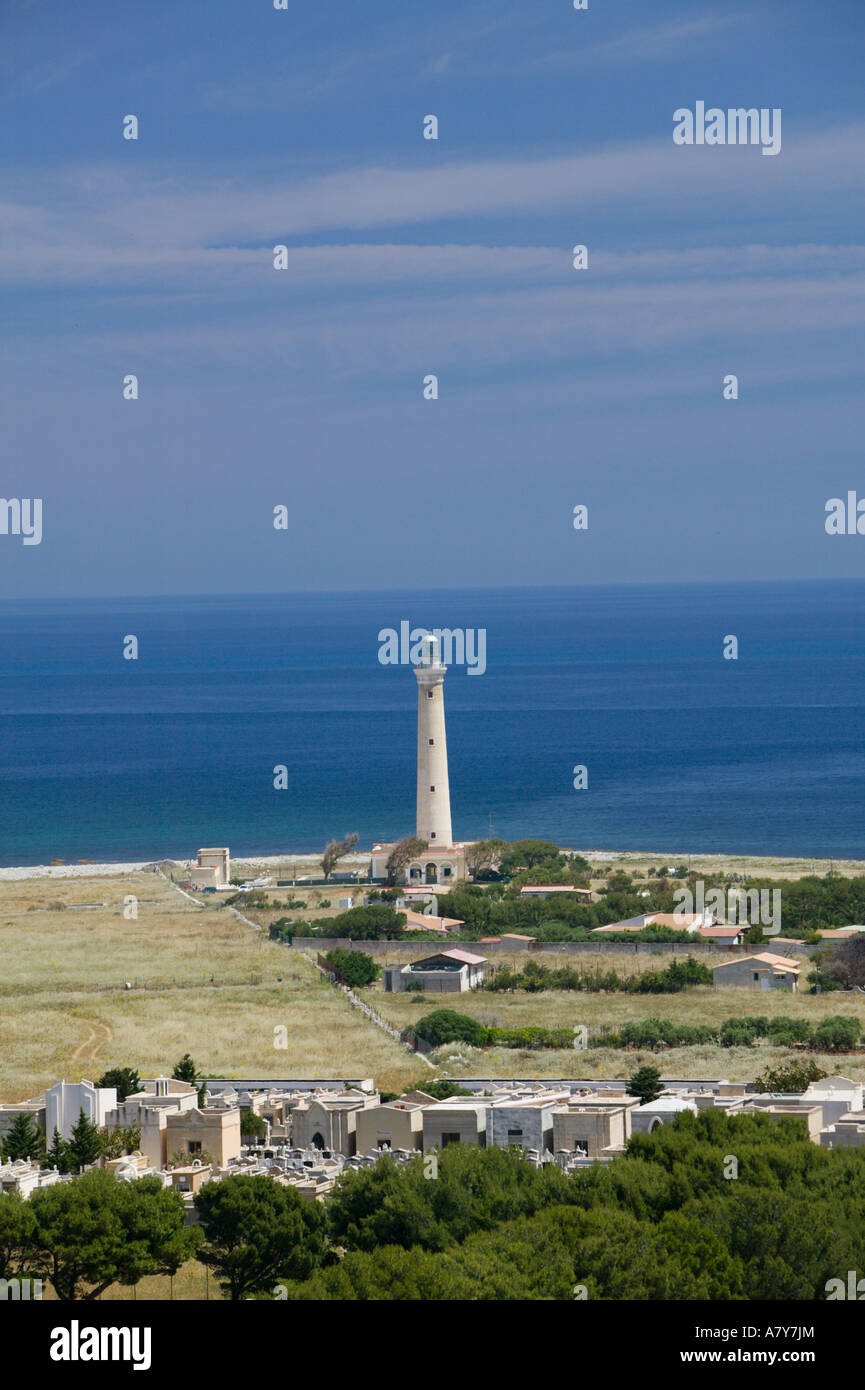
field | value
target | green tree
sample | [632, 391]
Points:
[530, 854]
[484, 856]
[446, 1025]
[645, 1083]
[364, 923]
[847, 962]
[355, 968]
[24, 1140]
[95, 1231]
[252, 1126]
[17, 1225]
[117, 1142]
[85, 1143]
[257, 1233]
[58, 1155]
[795, 1076]
[403, 852]
[444, 1089]
[185, 1071]
[125, 1080]
[836, 1034]
[334, 851]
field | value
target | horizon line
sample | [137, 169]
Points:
[450, 589]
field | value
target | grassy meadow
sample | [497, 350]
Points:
[203, 982]
[703, 1005]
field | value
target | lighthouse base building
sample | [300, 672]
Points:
[443, 866]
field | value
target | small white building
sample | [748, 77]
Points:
[218, 859]
[65, 1101]
[446, 972]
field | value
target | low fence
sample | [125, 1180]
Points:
[357, 1003]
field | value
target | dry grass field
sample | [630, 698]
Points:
[202, 981]
[752, 866]
[565, 1009]
[205, 982]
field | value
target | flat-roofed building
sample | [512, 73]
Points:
[65, 1101]
[203, 1134]
[454, 1121]
[596, 1128]
[848, 1132]
[397, 1125]
[218, 859]
[526, 1121]
[788, 1108]
[645, 1118]
[836, 1096]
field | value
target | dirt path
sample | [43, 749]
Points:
[95, 1029]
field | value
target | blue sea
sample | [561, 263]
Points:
[106, 758]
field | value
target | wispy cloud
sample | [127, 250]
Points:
[117, 216]
[669, 41]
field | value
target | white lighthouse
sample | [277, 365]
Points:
[433, 790]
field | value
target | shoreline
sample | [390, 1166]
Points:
[804, 864]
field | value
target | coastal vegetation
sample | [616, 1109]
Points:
[840, 1033]
[536, 978]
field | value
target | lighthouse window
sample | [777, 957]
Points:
[432, 741]
[432, 789]
[429, 694]
[432, 835]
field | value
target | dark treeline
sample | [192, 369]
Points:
[840, 1033]
[672, 1219]
[669, 1221]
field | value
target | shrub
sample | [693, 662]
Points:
[836, 1034]
[354, 968]
[446, 1025]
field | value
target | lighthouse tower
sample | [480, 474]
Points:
[433, 791]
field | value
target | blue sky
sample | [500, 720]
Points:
[408, 257]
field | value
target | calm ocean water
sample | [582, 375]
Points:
[104, 758]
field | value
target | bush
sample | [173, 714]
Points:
[795, 1077]
[364, 923]
[354, 968]
[446, 1025]
[837, 1034]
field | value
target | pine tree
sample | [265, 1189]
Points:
[125, 1081]
[24, 1140]
[646, 1084]
[85, 1145]
[185, 1071]
[58, 1155]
